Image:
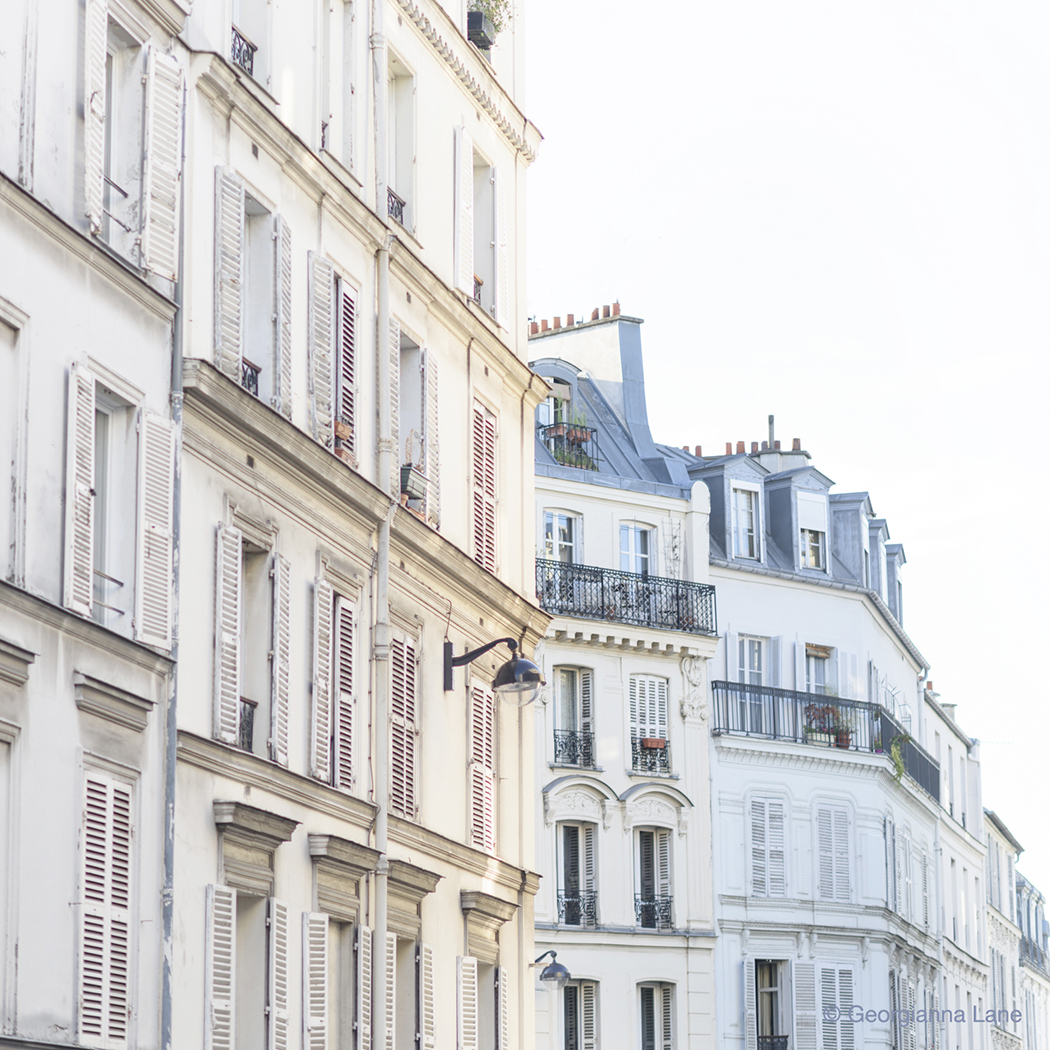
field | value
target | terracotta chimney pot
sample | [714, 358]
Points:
[543, 325]
[616, 308]
[570, 320]
[557, 322]
[605, 311]
[796, 444]
[698, 453]
[594, 314]
[739, 447]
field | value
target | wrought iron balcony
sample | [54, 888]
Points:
[567, 589]
[653, 913]
[821, 721]
[573, 749]
[246, 724]
[650, 755]
[242, 52]
[250, 376]
[1033, 955]
[572, 445]
[773, 1042]
[578, 909]
[395, 206]
[478, 282]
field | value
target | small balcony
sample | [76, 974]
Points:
[819, 720]
[246, 724]
[567, 589]
[653, 913]
[478, 282]
[650, 756]
[579, 909]
[572, 445]
[242, 51]
[395, 206]
[1034, 956]
[773, 1042]
[250, 376]
[573, 749]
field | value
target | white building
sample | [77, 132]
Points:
[1005, 1028]
[1035, 964]
[621, 736]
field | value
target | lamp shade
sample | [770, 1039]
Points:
[518, 681]
[555, 974]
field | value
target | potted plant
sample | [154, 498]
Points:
[578, 431]
[413, 481]
[485, 21]
[653, 743]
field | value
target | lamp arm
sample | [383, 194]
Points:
[466, 658]
[552, 954]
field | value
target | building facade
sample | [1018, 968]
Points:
[1035, 964]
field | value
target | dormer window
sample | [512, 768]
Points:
[812, 544]
[745, 523]
[813, 530]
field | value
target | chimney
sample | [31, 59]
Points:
[616, 308]
[770, 430]
[796, 444]
[950, 710]
[740, 448]
[929, 686]
[605, 311]
[543, 325]
[776, 446]
[698, 453]
[570, 320]
[557, 322]
[765, 446]
[594, 314]
[685, 448]
[754, 447]
[729, 448]
[533, 328]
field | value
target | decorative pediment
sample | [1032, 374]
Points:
[577, 798]
[485, 915]
[657, 804]
[14, 663]
[249, 837]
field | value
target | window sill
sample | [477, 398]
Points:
[638, 775]
[576, 768]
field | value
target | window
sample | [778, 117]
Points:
[573, 705]
[250, 39]
[560, 536]
[745, 523]
[332, 731]
[403, 728]
[11, 454]
[769, 1002]
[401, 161]
[558, 407]
[483, 728]
[580, 1015]
[813, 529]
[484, 487]
[656, 1009]
[338, 83]
[836, 1000]
[577, 879]
[833, 854]
[818, 677]
[652, 902]
[650, 751]
[751, 660]
[812, 549]
[635, 543]
[768, 876]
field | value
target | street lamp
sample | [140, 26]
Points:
[517, 681]
[554, 974]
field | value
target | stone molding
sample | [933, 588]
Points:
[14, 663]
[110, 702]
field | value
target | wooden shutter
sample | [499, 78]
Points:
[464, 244]
[398, 455]
[663, 864]
[105, 944]
[229, 273]
[805, 1006]
[315, 981]
[403, 728]
[589, 1015]
[846, 1032]
[590, 873]
[281, 398]
[319, 347]
[279, 659]
[427, 1018]
[321, 734]
[500, 267]
[902, 894]
[759, 848]
[153, 595]
[775, 856]
[848, 685]
[466, 1003]
[635, 711]
[926, 891]
[162, 169]
[909, 1029]
[891, 865]
[570, 860]
[227, 634]
[750, 1006]
[277, 966]
[96, 32]
[776, 669]
[800, 667]
[220, 969]
[909, 891]
[649, 705]
[840, 845]
[649, 1020]
[646, 865]
[734, 665]
[666, 1017]
[79, 567]
[833, 861]
[390, 1006]
[483, 769]
[346, 370]
[484, 488]
[431, 452]
[586, 679]
[836, 1000]
[343, 737]
[501, 981]
[363, 1023]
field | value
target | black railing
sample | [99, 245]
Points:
[478, 282]
[822, 721]
[573, 749]
[773, 1042]
[653, 913]
[1033, 955]
[578, 909]
[250, 376]
[395, 206]
[246, 724]
[567, 589]
[242, 52]
[572, 445]
[651, 755]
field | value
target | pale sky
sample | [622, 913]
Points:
[838, 213]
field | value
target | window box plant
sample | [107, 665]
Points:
[413, 481]
[653, 743]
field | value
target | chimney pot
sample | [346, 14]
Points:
[698, 453]
[776, 445]
[557, 322]
[754, 447]
[765, 446]
[739, 447]
[594, 314]
[796, 444]
[543, 325]
[605, 311]
[729, 448]
[533, 328]
[616, 308]
[929, 686]
[570, 320]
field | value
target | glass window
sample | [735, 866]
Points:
[817, 678]
[812, 549]
[751, 660]
[657, 1016]
[767, 980]
[559, 536]
[635, 545]
[745, 544]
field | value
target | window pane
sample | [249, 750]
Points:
[567, 713]
[572, 1018]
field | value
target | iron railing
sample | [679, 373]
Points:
[773, 1042]
[822, 721]
[246, 724]
[572, 445]
[478, 282]
[573, 749]
[242, 51]
[567, 589]
[649, 757]
[578, 909]
[653, 913]
[395, 206]
[1033, 955]
[250, 376]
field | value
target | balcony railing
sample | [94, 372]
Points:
[242, 52]
[578, 909]
[653, 913]
[572, 445]
[478, 282]
[395, 206]
[246, 725]
[573, 749]
[773, 1042]
[567, 589]
[1033, 955]
[821, 721]
[250, 376]
[650, 755]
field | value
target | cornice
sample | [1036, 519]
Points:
[356, 859]
[261, 827]
[629, 638]
[484, 908]
[14, 663]
[111, 703]
[170, 15]
[411, 881]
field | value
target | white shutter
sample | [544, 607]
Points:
[902, 894]
[501, 981]
[227, 633]
[661, 708]
[464, 211]
[750, 1006]
[759, 848]
[909, 1029]
[363, 1023]
[403, 728]
[96, 32]
[466, 1003]
[279, 659]
[848, 684]
[586, 679]
[775, 841]
[277, 997]
[589, 1011]
[829, 1004]
[431, 454]
[153, 596]
[833, 860]
[229, 273]
[590, 880]
[398, 455]
[800, 667]
[319, 347]
[482, 769]
[663, 864]
[220, 969]
[484, 484]
[343, 737]
[846, 1034]
[666, 1017]
[500, 261]
[346, 371]
[891, 865]
[805, 1006]
[105, 944]
[733, 662]
[321, 734]
[776, 669]
[925, 890]
[390, 1006]
[427, 1021]
[909, 892]
[315, 981]
[281, 398]
[163, 165]
[79, 575]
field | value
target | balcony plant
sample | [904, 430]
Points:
[496, 11]
[578, 431]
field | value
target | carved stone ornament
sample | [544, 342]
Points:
[694, 670]
[579, 804]
[649, 811]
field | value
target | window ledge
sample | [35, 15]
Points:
[262, 829]
[14, 663]
[578, 769]
[652, 776]
[108, 702]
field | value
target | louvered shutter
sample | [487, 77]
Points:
[321, 730]
[79, 577]
[750, 1006]
[570, 860]
[589, 1015]
[909, 890]
[909, 1029]
[501, 267]
[894, 1013]
[279, 659]
[482, 769]
[646, 865]
[840, 833]
[590, 873]
[315, 981]
[343, 737]
[891, 865]
[229, 273]
[427, 1020]
[105, 946]
[825, 854]
[775, 844]
[935, 1028]
[666, 1017]
[805, 1006]
[501, 980]
[759, 849]
[586, 679]
[734, 665]
[846, 1033]
[829, 1003]
[649, 1019]
[277, 965]
[663, 864]
[391, 989]
[484, 480]
[467, 1003]
[227, 634]
[220, 969]
[849, 686]
[402, 728]
[281, 398]
[776, 670]
[319, 347]
[431, 453]
[397, 457]
[464, 211]
[800, 666]
[347, 365]
[925, 891]
[635, 712]
[153, 597]
[363, 1023]
[162, 169]
[96, 31]
[902, 893]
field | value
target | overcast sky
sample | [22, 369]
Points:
[838, 213]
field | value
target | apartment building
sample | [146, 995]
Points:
[1035, 964]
